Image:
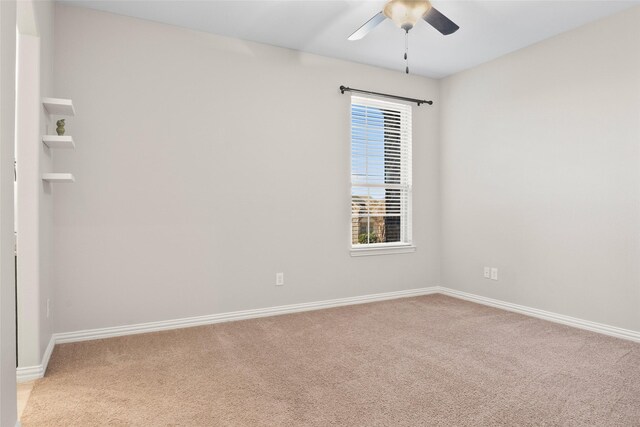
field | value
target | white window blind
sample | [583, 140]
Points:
[380, 173]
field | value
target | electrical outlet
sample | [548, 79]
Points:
[494, 274]
[48, 306]
[279, 279]
[487, 272]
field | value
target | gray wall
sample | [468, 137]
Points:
[205, 165]
[7, 294]
[200, 175]
[34, 202]
[541, 174]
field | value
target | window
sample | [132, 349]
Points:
[380, 174]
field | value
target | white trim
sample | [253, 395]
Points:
[18, 424]
[546, 315]
[382, 250]
[47, 353]
[93, 334]
[28, 373]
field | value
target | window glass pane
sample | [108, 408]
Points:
[376, 215]
[376, 229]
[367, 145]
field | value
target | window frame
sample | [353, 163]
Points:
[386, 248]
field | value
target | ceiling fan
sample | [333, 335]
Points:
[405, 14]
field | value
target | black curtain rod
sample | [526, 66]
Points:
[344, 89]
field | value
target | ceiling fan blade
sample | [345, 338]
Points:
[440, 22]
[368, 26]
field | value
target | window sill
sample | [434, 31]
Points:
[383, 250]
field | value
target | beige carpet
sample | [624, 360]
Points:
[430, 360]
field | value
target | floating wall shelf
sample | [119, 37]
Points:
[59, 107]
[56, 141]
[58, 177]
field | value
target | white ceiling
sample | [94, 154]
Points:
[488, 29]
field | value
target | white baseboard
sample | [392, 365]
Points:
[546, 315]
[28, 373]
[141, 328]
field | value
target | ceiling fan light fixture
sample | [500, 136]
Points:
[406, 13]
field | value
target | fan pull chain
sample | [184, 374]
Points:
[406, 50]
